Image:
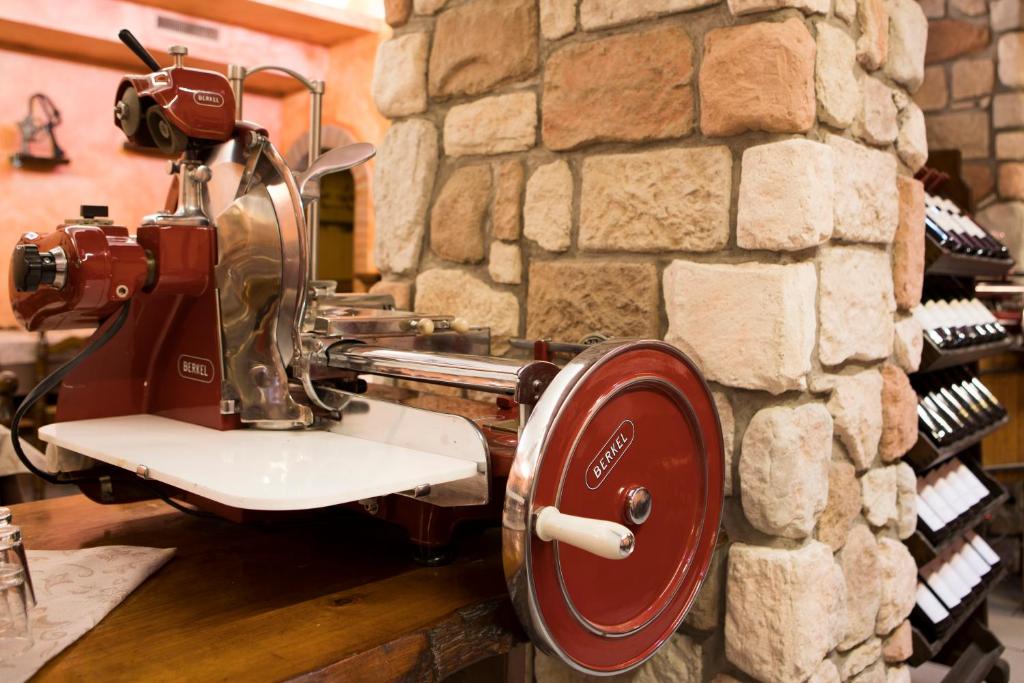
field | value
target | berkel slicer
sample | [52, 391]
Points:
[223, 375]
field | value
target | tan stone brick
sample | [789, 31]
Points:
[898, 645]
[908, 245]
[403, 183]
[1010, 145]
[481, 44]
[866, 203]
[784, 469]
[825, 673]
[934, 9]
[613, 298]
[456, 221]
[633, 87]
[728, 421]
[856, 407]
[899, 414]
[899, 583]
[846, 10]
[972, 78]
[547, 211]
[785, 199]
[492, 125]
[399, 290]
[506, 213]
[912, 142]
[396, 12]
[861, 658]
[505, 263]
[908, 35]
[963, 130]
[835, 76]
[1005, 15]
[859, 561]
[758, 77]
[933, 94]
[979, 178]
[876, 122]
[749, 325]
[1004, 219]
[664, 200]
[596, 14]
[1011, 180]
[908, 343]
[875, 673]
[743, 7]
[1008, 110]
[1010, 58]
[428, 6]
[706, 613]
[856, 304]
[557, 18]
[948, 38]
[906, 500]
[879, 489]
[457, 293]
[970, 8]
[873, 44]
[843, 506]
[400, 75]
[800, 592]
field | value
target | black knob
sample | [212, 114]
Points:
[93, 211]
[29, 268]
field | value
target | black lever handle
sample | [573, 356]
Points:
[135, 46]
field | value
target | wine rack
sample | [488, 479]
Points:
[957, 252]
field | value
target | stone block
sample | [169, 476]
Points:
[481, 44]
[878, 487]
[749, 325]
[843, 506]
[873, 674]
[1010, 145]
[856, 407]
[908, 245]
[505, 263]
[663, 200]
[492, 125]
[785, 199]
[912, 143]
[933, 95]
[859, 561]
[744, 7]
[898, 645]
[758, 77]
[1010, 58]
[569, 300]
[860, 658]
[784, 609]
[856, 304]
[897, 674]
[876, 122]
[629, 87]
[908, 36]
[970, 8]
[899, 414]
[934, 9]
[866, 202]
[403, 183]
[557, 18]
[873, 43]
[396, 12]
[906, 500]
[1011, 180]
[1008, 110]
[963, 130]
[1005, 15]
[706, 612]
[825, 673]
[908, 344]
[949, 38]
[784, 469]
[400, 292]
[597, 14]
[506, 210]
[428, 6]
[460, 294]
[547, 211]
[835, 76]
[400, 75]
[1005, 218]
[972, 78]
[979, 179]
[728, 421]
[899, 584]
[457, 220]
[846, 10]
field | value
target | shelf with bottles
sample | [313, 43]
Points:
[952, 498]
[958, 331]
[978, 660]
[955, 411]
[956, 245]
[950, 589]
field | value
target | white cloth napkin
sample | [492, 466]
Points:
[75, 589]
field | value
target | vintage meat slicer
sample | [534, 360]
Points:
[223, 375]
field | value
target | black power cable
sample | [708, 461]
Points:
[49, 384]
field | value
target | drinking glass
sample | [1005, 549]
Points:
[15, 631]
[12, 551]
[5, 516]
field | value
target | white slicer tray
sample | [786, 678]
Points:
[255, 469]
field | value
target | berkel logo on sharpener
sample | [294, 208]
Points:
[208, 98]
[195, 368]
[610, 454]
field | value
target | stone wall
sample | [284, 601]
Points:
[973, 98]
[733, 177]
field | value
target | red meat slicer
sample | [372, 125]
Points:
[223, 375]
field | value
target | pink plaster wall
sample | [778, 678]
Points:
[100, 172]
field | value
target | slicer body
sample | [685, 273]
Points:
[239, 384]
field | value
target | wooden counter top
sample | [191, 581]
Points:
[326, 597]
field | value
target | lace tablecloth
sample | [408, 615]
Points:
[75, 589]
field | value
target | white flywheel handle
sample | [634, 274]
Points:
[603, 538]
